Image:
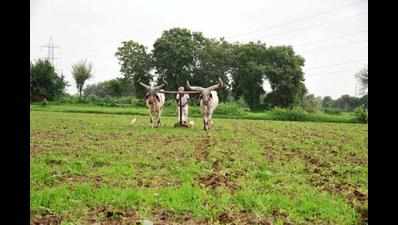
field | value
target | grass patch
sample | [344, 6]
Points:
[224, 110]
[302, 173]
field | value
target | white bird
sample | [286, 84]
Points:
[133, 121]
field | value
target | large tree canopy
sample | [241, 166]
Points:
[248, 72]
[173, 56]
[286, 77]
[45, 82]
[180, 55]
[212, 60]
[136, 65]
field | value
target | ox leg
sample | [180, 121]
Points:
[157, 120]
[210, 121]
[150, 117]
[159, 123]
[152, 120]
[205, 123]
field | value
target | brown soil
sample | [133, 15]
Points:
[202, 149]
[109, 216]
[46, 219]
[215, 180]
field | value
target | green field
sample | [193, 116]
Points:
[223, 111]
[91, 168]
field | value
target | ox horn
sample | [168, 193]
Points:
[144, 85]
[219, 85]
[162, 85]
[193, 87]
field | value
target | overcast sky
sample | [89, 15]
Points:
[332, 35]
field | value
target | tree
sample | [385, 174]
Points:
[115, 88]
[253, 63]
[180, 55]
[45, 82]
[248, 72]
[212, 60]
[347, 102]
[327, 102]
[364, 101]
[173, 56]
[97, 89]
[286, 77]
[81, 72]
[136, 65]
[312, 103]
[362, 76]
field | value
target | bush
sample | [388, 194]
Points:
[126, 101]
[242, 102]
[44, 102]
[295, 114]
[231, 108]
[333, 111]
[361, 114]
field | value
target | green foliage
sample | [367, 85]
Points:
[180, 55]
[81, 72]
[294, 114]
[254, 62]
[231, 108]
[173, 56]
[44, 102]
[311, 103]
[327, 102]
[248, 72]
[285, 75]
[212, 60]
[115, 88]
[45, 82]
[137, 107]
[333, 111]
[102, 101]
[362, 76]
[361, 114]
[136, 65]
[347, 103]
[364, 101]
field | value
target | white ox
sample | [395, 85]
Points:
[154, 101]
[208, 101]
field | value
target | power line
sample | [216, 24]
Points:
[295, 20]
[344, 36]
[284, 24]
[337, 45]
[310, 26]
[337, 64]
[326, 73]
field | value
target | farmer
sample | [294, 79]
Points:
[184, 104]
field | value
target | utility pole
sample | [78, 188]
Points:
[50, 46]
